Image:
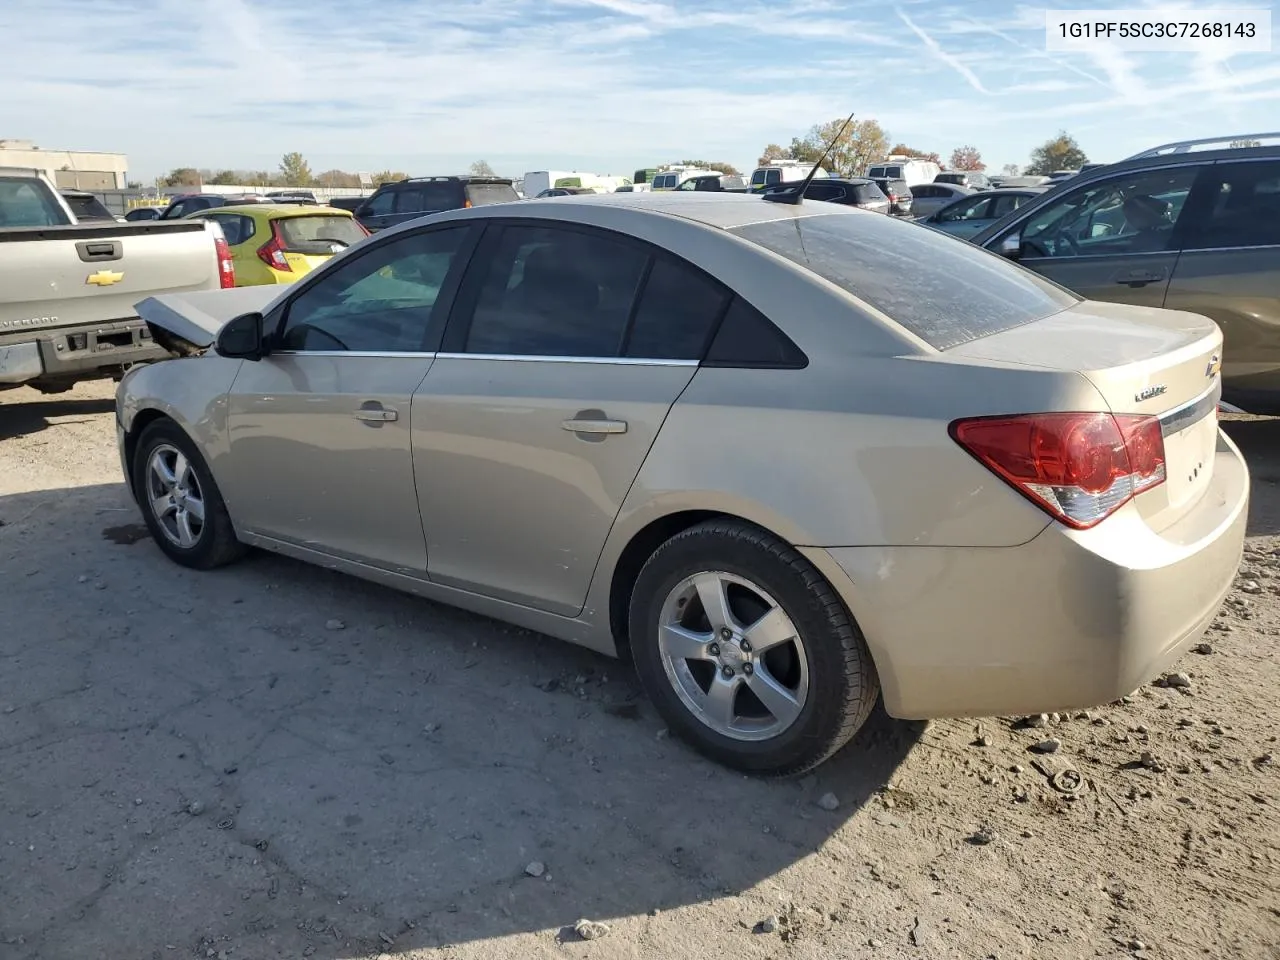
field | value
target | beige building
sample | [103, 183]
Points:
[76, 169]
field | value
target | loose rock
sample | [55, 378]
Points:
[1052, 745]
[334, 624]
[1036, 722]
[769, 925]
[1251, 586]
[829, 802]
[1149, 761]
[1177, 681]
[195, 808]
[536, 868]
[1204, 648]
[590, 929]
[983, 836]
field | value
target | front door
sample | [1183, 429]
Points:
[1115, 240]
[567, 348]
[320, 429]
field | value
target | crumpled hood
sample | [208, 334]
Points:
[196, 318]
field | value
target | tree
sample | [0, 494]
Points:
[967, 158]
[182, 177]
[337, 178]
[1060, 153]
[388, 176]
[772, 154]
[862, 144]
[294, 171]
[481, 168]
[225, 178]
[1011, 169]
[902, 150]
[726, 168]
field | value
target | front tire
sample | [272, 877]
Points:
[747, 652]
[180, 501]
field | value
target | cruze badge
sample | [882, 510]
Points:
[1152, 391]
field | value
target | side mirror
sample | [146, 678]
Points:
[241, 338]
[1011, 246]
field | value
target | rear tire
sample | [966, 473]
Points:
[747, 652]
[180, 501]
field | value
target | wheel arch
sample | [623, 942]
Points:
[140, 421]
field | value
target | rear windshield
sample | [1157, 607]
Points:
[317, 234]
[481, 194]
[945, 291]
[25, 202]
[888, 172]
[88, 208]
[869, 193]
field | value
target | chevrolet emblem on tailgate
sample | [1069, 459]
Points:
[104, 278]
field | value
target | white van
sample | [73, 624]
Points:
[671, 178]
[910, 169]
[535, 181]
[784, 171]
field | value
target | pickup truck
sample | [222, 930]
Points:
[68, 289]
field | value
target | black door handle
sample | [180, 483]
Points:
[1140, 278]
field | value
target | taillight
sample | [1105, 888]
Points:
[466, 204]
[226, 266]
[272, 252]
[1078, 467]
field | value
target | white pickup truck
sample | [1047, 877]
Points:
[68, 289]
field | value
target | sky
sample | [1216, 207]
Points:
[428, 86]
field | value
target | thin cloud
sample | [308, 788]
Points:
[936, 50]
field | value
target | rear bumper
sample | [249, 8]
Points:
[1071, 619]
[77, 353]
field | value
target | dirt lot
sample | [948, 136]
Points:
[275, 761]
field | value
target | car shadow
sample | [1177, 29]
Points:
[278, 759]
[22, 419]
[1259, 440]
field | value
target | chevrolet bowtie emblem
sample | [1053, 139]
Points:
[1213, 366]
[104, 278]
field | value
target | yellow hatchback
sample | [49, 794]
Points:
[279, 243]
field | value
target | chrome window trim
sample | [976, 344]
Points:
[1261, 246]
[536, 358]
[509, 357]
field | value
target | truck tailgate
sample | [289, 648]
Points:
[62, 276]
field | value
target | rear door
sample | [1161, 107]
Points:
[320, 429]
[1229, 269]
[563, 356]
[1115, 239]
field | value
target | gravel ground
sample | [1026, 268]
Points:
[272, 760]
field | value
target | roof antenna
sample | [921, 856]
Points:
[794, 195]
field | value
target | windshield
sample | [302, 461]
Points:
[317, 234]
[955, 293]
[25, 202]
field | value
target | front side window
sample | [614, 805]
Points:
[1136, 213]
[957, 292]
[381, 204]
[1244, 207]
[382, 301]
[552, 292]
[975, 208]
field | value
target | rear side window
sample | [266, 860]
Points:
[425, 198]
[747, 338]
[481, 194]
[957, 292]
[26, 203]
[1244, 208]
[678, 309]
[237, 229]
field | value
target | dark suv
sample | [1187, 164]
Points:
[1189, 226]
[394, 203]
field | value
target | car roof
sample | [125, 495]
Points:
[720, 210]
[278, 210]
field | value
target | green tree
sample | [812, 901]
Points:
[772, 154]
[337, 178]
[1060, 153]
[481, 168]
[967, 158]
[902, 150]
[294, 171]
[182, 177]
[225, 178]
[388, 176]
[862, 144]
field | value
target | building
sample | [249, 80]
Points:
[74, 169]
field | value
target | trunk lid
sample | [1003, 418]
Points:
[1162, 363]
